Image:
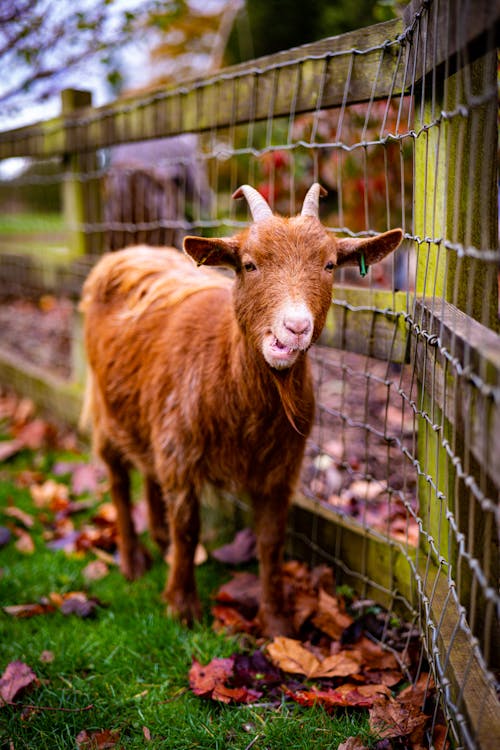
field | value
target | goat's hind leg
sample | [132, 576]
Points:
[157, 512]
[184, 526]
[134, 558]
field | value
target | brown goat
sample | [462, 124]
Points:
[196, 377]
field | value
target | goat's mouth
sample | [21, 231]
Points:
[278, 354]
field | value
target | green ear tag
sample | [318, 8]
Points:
[363, 270]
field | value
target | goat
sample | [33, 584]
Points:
[197, 377]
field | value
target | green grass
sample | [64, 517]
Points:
[31, 223]
[127, 668]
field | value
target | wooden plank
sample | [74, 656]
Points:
[53, 395]
[280, 84]
[368, 321]
[469, 688]
[472, 410]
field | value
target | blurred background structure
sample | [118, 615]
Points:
[397, 118]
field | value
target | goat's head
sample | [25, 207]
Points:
[284, 273]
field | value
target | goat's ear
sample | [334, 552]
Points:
[213, 251]
[374, 249]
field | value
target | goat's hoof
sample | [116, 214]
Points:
[136, 564]
[272, 624]
[186, 608]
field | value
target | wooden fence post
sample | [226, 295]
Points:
[81, 188]
[455, 199]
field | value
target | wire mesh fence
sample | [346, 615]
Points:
[400, 484]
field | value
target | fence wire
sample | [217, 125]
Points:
[400, 126]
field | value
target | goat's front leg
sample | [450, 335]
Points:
[184, 523]
[270, 526]
[134, 558]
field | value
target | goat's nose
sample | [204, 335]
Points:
[298, 324]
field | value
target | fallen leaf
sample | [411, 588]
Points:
[16, 678]
[147, 734]
[25, 518]
[230, 619]
[329, 698]
[36, 434]
[210, 682]
[203, 679]
[25, 543]
[291, 656]
[86, 478]
[390, 719]
[330, 618]
[352, 743]
[102, 739]
[78, 603]
[28, 610]
[95, 570]
[9, 448]
[373, 656]
[50, 494]
[242, 590]
[241, 550]
[5, 535]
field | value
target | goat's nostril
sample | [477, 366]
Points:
[298, 326]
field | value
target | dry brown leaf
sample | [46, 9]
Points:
[102, 739]
[16, 677]
[291, 656]
[390, 719]
[330, 618]
[373, 656]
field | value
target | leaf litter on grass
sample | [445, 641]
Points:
[332, 661]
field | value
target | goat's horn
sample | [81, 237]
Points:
[259, 208]
[311, 201]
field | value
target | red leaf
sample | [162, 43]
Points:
[204, 679]
[210, 682]
[17, 677]
[229, 618]
[330, 698]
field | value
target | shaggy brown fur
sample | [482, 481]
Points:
[180, 387]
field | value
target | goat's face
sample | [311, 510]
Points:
[284, 275]
[283, 286]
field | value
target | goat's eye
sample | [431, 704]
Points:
[330, 266]
[249, 266]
